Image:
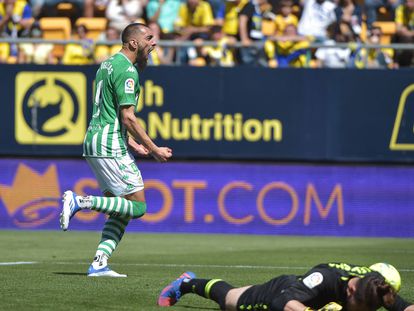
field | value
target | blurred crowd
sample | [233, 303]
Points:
[284, 28]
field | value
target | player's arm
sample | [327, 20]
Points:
[294, 305]
[128, 119]
[316, 283]
[124, 83]
[138, 148]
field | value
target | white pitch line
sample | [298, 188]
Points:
[201, 266]
[17, 263]
[185, 265]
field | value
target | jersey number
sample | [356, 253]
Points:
[98, 98]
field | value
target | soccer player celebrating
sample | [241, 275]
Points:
[106, 146]
[326, 287]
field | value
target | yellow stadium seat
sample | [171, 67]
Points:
[388, 30]
[65, 9]
[56, 28]
[4, 52]
[94, 25]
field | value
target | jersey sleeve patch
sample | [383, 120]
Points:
[313, 280]
[129, 86]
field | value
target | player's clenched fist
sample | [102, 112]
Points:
[162, 154]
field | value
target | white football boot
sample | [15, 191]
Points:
[100, 268]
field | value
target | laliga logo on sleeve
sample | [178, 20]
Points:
[129, 86]
[313, 280]
[50, 108]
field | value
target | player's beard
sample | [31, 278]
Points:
[142, 59]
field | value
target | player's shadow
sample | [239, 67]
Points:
[70, 273]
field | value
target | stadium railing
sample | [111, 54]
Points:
[186, 44]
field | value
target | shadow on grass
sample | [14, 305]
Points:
[197, 308]
[70, 273]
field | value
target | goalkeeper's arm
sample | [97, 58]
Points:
[294, 305]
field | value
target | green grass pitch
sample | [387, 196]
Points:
[57, 280]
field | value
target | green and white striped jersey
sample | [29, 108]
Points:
[116, 85]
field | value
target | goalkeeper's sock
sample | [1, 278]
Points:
[214, 289]
[113, 206]
[112, 234]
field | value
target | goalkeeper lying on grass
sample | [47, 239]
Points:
[328, 287]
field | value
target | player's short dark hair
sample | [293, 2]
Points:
[373, 291]
[131, 30]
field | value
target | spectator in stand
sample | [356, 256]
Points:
[317, 15]
[371, 7]
[350, 12]
[79, 54]
[222, 54]
[404, 18]
[103, 51]
[164, 13]
[94, 8]
[374, 58]
[15, 18]
[121, 13]
[159, 56]
[339, 32]
[285, 17]
[217, 7]
[231, 17]
[250, 31]
[288, 50]
[194, 20]
[36, 53]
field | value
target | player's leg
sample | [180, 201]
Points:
[112, 234]
[119, 176]
[224, 294]
[131, 205]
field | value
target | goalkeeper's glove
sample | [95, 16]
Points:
[332, 306]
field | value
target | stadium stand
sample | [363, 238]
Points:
[388, 31]
[94, 25]
[56, 28]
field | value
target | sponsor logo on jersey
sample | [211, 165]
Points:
[129, 86]
[313, 280]
[50, 108]
[130, 69]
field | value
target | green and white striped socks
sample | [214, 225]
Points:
[112, 234]
[113, 206]
[120, 212]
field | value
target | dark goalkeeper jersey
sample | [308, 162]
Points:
[321, 285]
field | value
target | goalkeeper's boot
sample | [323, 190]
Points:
[100, 268]
[171, 294]
[70, 208]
